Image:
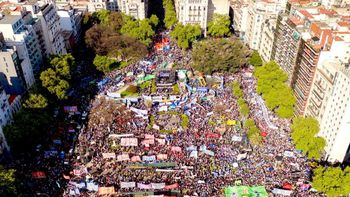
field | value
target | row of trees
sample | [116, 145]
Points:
[170, 14]
[219, 55]
[253, 133]
[276, 93]
[304, 135]
[332, 180]
[242, 104]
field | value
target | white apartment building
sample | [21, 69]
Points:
[267, 39]
[330, 104]
[258, 13]
[200, 11]
[52, 31]
[240, 18]
[22, 38]
[70, 21]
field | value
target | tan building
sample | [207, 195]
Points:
[200, 11]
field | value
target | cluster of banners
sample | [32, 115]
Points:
[203, 148]
[126, 157]
[157, 186]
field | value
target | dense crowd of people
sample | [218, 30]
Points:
[128, 146]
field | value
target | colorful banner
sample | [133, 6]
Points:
[162, 157]
[176, 149]
[149, 158]
[106, 190]
[245, 191]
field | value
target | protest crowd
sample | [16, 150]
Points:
[180, 134]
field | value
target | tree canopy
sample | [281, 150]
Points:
[332, 180]
[55, 79]
[304, 131]
[35, 101]
[277, 95]
[253, 133]
[142, 30]
[170, 14]
[7, 182]
[28, 129]
[121, 37]
[219, 26]
[186, 34]
[220, 55]
[255, 59]
[104, 63]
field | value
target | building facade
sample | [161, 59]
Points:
[200, 11]
[22, 45]
[52, 31]
[330, 105]
[135, 8]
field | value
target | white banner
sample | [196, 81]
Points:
[129, 142]
[127, 184]
[108, 155]
[158, 185]
[139, 111]
[120, 135]
[123, 157]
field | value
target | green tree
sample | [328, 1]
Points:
[236, 89]
[186, 34]
[104, 64]
[255, 59]
[30, 127]
[140, 29]
[249, 123]
[332, 180]
[54, 84]
[271, 84]
[101, 16]
[219, 26]
[220, 55]
[35, 101]
[154, 21]
[7, 182]
[170, 14]
[304, 131]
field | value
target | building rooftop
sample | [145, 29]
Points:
[9, 19]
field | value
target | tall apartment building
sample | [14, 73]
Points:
[267, 39]
[52, 31]
[96, 5]
[200, 11]
[258, 13]
[304, 37]
[11, 75]
[23, 44]
[240, 18]
[330, 104]
[70, 20]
